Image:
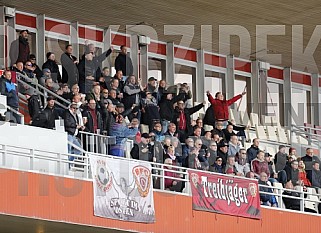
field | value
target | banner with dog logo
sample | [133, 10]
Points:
[123, 190]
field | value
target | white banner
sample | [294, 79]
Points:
[123, 190]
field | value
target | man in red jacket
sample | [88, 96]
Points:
[220, 105]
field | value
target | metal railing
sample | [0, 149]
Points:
[22, 117]
[15, 157]
[312, 135]
[96, 143]
[39, 87]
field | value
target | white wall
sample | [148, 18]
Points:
[33, 137]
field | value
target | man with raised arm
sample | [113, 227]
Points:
[220, 105]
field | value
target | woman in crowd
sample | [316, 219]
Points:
[303, 174]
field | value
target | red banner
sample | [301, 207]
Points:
[225, 194]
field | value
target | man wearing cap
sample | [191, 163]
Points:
[152, 87]
[222, 151]
[19, 49]
[120, 108]
[51, 64]
[267, 158]
[143, 150]
[37, 70]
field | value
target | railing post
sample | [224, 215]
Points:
[58, 170]
[301, 201]
[162, 181]
[86, 163]
[4, 155]
[32, 159]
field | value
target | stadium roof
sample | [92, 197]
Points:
[248, 14]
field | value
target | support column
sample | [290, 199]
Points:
[170, 64]
[40, 39]
[11, 36]
[316, 120]
[200, 77]
[163, 69]
[254, 88]
[74, 37]
[287, 94]
[107, 45]
[229, 80]
[2, 38]
[144, 63]
[134, 47]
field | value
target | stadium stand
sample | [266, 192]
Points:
[124, 117]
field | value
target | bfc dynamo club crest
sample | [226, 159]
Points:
[103, 178]
[142, 177]
[253, 189]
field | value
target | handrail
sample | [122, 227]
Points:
[82, 164]
[22, 117]
[44, 89]
[96, 142]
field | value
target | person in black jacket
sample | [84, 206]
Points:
[94, 122]
[166, 109]
[69, 64]
[51, 64]
[51, 113]
[253, 150]
[182, 118]
[72, 127]
[222, 151]
[36, 68]
[209, 117]
[123, 62]
[34, 105]
[132, 95]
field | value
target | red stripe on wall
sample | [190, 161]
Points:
[185, 54]
[120, 40]
[58, 27]
[90, 34]
[242, 66]
[157, 48]
[301, 78]
[26, 20]
[275, 73]
[214, 60]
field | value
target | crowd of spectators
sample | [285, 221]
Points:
[120, 105]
